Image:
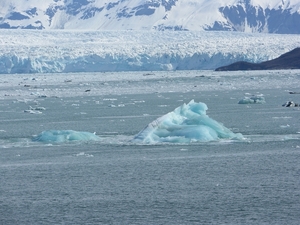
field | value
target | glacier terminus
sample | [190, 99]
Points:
[63, 51]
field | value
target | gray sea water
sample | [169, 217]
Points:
[113, 181]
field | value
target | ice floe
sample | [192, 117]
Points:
[59, 136]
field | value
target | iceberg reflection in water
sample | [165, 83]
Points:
[186, 123]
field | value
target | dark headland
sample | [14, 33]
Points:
[289, 60]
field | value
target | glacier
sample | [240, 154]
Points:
[64, 51]
[187, 123]
[60, 136]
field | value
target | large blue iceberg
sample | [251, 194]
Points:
[187, 123]
[59, 136]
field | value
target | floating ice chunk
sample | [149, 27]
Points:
[39, 108]
[291, 104]
[32, 111]
[253, 100]
[36, 110]
[185, 124]
[60, 136]
[84, 154]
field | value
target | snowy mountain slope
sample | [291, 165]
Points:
[269, 16]
[55, 51]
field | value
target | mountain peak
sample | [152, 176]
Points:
[268, 16]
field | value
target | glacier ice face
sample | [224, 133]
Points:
[61, 51]
[187, 123]
[60, 136]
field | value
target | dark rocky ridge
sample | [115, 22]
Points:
[289, 60]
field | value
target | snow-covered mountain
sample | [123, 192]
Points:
[268, 16]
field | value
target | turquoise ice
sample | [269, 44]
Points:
[187, 123]
[59, 136]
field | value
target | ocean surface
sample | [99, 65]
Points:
[114, 181]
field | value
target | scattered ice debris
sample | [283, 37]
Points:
[291, 104]
[35, 93]
[67, 80]
[285, 126]
[59, 136]
[110, 99]
[32, 111]
[282, 117]
[38, 108]
[256, 99]
[25, 101]
[187, 123]
[35, 110]
[294, 92]
[84, 154]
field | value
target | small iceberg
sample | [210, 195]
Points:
[291, 104]
[187, 123]
[59, 136]
[253, 100]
